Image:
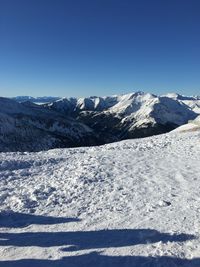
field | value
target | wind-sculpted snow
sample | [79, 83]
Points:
[131, 203]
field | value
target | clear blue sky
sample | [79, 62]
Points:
[99, 47]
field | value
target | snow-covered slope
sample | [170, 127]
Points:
[158, 109]
[193, 102]
[126, 116]
[92, 120]
[122, 104]
[182, 97]
[193, 125]
[29, 127]
[134, 203]
[93, 103]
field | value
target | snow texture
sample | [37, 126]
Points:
[131, 203]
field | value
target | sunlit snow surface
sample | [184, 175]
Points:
[132, 203]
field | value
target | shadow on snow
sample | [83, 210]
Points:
[83, 240]
[97, 260]
[16, 219]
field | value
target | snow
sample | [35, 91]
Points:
[71, 122]
[193, 125]
[193, 102]
[30, 127]
[187, 127]
[138, 108]
[131, 203]
[38, 100]
[117, 103]
[182, 97]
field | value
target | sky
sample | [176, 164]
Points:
[99, 47]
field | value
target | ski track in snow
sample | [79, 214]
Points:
[131, 203]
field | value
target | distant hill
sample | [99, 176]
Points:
[43, 99]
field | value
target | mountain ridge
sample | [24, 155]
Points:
[71, 122]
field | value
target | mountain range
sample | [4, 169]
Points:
[57, 122]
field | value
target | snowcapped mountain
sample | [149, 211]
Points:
[126, 116]
[69, 122]
[31, 127]
[182, 97]
[193, 102]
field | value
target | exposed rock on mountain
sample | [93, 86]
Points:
[127, 116]
[70, 122]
